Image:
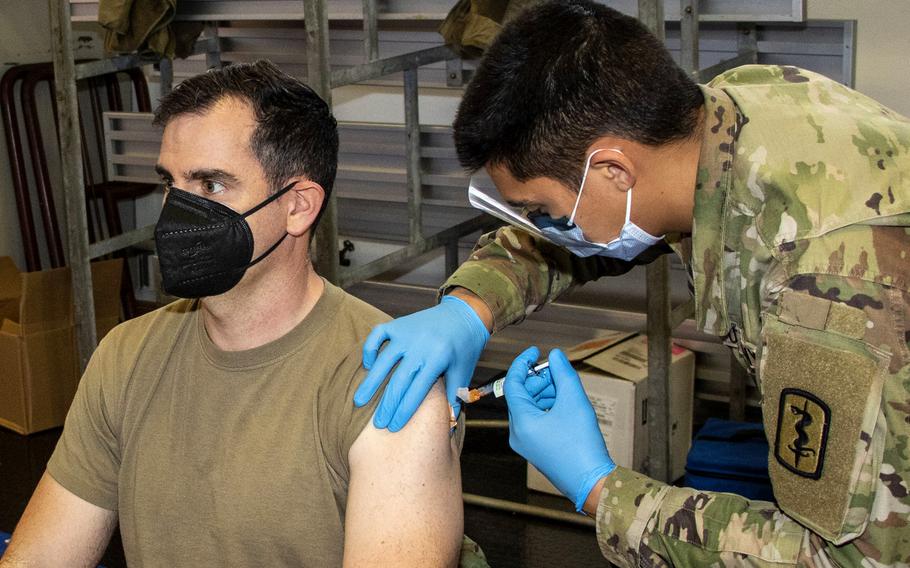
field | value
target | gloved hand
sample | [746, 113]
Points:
[445, 339]
[564, 442]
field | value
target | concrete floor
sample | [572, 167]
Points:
[489, 468]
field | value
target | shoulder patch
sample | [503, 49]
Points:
[803, 420]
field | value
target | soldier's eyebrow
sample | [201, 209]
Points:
[518, 204]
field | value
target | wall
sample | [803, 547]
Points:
[365, 103]
[882, 45]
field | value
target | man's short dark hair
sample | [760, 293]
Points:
[561, 75]
[295, 135]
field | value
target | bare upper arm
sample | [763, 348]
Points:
[404, 503]
[59, 529]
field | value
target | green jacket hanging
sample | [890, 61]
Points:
[146, 26]
[472, 25]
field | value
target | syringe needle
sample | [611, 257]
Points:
[495, 386]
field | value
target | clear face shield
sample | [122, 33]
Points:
[560, 232]
[557, 231]
[631, 242]
[482, 195]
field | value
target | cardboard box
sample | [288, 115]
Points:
[614, 372]
[39, 370]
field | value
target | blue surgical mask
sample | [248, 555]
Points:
[631, 242]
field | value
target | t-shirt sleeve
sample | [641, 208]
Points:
[86, 460]
[345, 421]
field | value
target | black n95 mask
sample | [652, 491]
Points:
[204, 247]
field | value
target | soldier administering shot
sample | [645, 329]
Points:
[787, 197]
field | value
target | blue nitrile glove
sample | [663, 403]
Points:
[565, 442]
[445, 339]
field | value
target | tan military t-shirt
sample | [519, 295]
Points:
[216, 458]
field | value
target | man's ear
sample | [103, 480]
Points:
[615, 166]
[304, 203]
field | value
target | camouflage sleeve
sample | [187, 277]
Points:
[643, 522]
[515, 273]
[835, 378]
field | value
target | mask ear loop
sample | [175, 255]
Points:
[628, 205]
[581, 188]
[268, 252]
[270, 199]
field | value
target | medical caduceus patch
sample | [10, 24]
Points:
[803, 421]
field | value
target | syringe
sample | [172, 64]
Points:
[495, 386]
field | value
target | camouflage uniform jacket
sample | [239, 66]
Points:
[800, 256]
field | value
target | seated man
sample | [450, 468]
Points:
[219, 430]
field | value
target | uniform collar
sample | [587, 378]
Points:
[705, 257]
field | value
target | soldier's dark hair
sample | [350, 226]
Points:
[295, 135]
[561, 75]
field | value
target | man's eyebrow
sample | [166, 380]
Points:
[212, 173]
[162, 171]
[518, 204]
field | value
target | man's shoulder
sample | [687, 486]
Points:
[114, 364]
[125, 343]
[352, 319]
[343, 323]
[367, 314]
[157, 323]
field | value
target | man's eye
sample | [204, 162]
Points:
[212, 187]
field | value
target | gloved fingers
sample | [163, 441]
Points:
[378, 336]
[455, 377]
[541, 388]
[394, 391]
[456, 408]
[545, 403]
[546, 398]
[536, 384]
[514, 406]
[517, 395]
[520, 365]
[381, 368]
[548, 392]
[524, 425]
[414, 396]
[565, 379]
